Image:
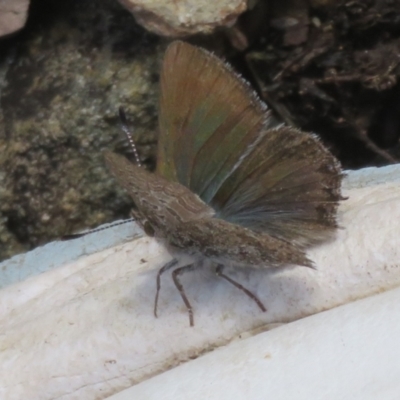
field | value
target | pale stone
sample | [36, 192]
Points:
[179, 18]
[13, 14]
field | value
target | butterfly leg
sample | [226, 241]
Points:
[166, 267]
[219, 272]
[179, 286]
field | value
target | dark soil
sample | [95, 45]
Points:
[333, 70]
[341, 81]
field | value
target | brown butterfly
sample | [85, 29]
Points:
[230, 186]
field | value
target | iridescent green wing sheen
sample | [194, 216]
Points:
[288, 187]
[208, 120]
[216, 139]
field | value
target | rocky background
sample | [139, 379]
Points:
[331, 67]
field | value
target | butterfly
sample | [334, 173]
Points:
[231, 186]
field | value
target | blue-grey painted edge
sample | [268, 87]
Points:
[59, 253]
[56, 254]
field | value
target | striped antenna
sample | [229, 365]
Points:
[128, 133]
[79, 235]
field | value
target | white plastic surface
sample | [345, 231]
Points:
[86, 330]
[349, 353]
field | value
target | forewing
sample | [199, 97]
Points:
[162, 203]
[288, 187]
[209, 120]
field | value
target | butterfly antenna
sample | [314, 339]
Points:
[128, 133]
[79, 235]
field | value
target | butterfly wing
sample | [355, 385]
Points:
[288, 187]
[209, 119]
[216, 138]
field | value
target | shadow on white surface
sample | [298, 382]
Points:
[350, 352]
